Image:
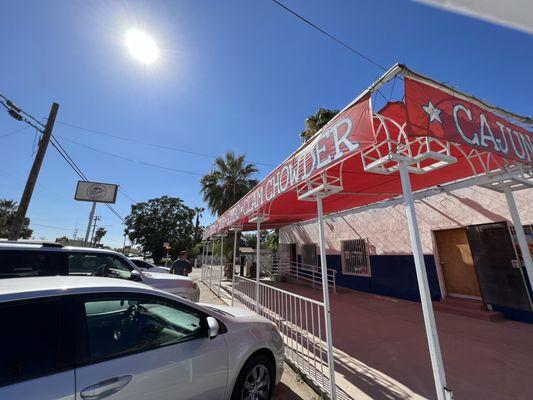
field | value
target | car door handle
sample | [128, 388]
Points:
[105, 388]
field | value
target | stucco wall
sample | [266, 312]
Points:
[386, 228]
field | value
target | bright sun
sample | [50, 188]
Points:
[142, 46]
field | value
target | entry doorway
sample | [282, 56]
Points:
[457, 263]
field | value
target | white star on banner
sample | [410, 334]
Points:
[433, 112]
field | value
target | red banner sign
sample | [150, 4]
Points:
[347, 133]
[441, 114]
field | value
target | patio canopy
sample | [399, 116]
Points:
[444, 135]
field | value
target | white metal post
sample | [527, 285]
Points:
[520, 234]
[443, 393]
[325, 293]
[212, 262]
[203, 258]
[234, 264]
[221, 263]
[257, 266]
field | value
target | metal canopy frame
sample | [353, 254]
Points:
[393, 152]
[316, 189]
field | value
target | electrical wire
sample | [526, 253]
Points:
[10, 106]
[145, 163]
[60, 149]
[12, 133]
[145, 143]
[329, 35]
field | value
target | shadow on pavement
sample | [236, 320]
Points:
[283, 392]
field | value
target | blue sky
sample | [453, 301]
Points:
[232, 75]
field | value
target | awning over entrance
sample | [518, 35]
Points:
[356, 153]
[433, 136]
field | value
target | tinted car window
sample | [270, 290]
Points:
[30, 341]
[98, 265]
[23, 263]
[142, 264]
[121, 325]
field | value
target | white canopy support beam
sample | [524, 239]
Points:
[520, 234]
[212, 262]
[257, 265]
[325, 293]
[235, 238]
[443, 393]
[258, 217]
[221, 263]
[315, 189]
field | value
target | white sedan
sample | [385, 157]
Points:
[144, 265]
[96, 338]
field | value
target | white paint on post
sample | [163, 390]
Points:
[221, 263]
[234, 265]
[443, 393]
[212, 262]
[520, 234]
[257, 266]
[325, 292]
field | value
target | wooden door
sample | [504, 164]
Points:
[457, 263]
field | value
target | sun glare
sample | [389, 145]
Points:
[141, 46]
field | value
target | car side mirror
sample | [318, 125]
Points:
[136, 276]
[212, 328]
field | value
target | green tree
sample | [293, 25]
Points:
[229, 180]
[314, 123]
[98, 235]
[197, 228]
[8, 208]
[160, 220]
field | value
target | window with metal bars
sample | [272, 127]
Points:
[309, 256]
[355, 260]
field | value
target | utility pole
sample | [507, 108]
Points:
[96, 219]
[20, 215]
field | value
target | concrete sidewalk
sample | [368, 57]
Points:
[381, 350]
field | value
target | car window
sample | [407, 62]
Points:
[98, 265]
[142, 264]
[121, 325]
[16, 263]
[30, 341]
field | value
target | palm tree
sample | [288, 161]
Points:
[315, 122]
[98, 235]
[198, 211]
[229, 180]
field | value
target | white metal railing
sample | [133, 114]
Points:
[300, 321]
[308, 273]
[212, 277]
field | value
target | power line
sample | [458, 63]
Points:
[12, 133]
[145, 163]
[145, 143]
[60, 149]
[329, 35]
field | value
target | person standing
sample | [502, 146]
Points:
[181, 266]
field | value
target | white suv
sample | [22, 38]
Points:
[96, 338]
[19, 259]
